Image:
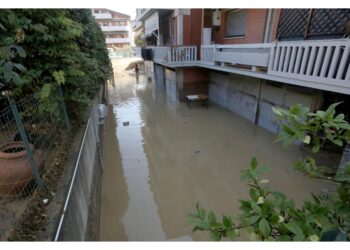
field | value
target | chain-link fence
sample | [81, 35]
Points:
[79, 218]
[28, 137]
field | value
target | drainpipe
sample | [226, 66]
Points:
[268, 25]
[180, 29]
[306, 33]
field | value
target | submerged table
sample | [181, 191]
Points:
[199, 98]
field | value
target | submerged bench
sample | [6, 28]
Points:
[198, 98]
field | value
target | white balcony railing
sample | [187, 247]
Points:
[117, 40]
[242, 54]
[180, 54]
[322, 64]
[102, 15]
[160, 54]
[114, 28]
[207, 54]
[183, 54]
[322, 61]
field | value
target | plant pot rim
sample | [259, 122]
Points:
[15, 155]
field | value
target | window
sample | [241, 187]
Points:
[235, 23]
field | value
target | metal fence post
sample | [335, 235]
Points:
[65, 114]
[24, 137]
[98, 145]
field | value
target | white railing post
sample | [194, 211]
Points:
[272, 57]
[319, 61]
[343, 62]
[169, 55]
[195, 54]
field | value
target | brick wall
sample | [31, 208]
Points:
[195, 82]
[186, 30]
[254, 32]
[196, 27]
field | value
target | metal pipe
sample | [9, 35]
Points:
[72, 181]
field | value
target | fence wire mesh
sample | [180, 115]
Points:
[28, 137]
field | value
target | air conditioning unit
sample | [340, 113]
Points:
[217, 18]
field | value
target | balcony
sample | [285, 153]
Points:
[325, 62]
[240, 55]
[319, 64]
[117, 40]
[102, 15]
[180, 55]
[114, 28]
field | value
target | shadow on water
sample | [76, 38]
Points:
[114, 193]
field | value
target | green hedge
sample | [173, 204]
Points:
[42, 49]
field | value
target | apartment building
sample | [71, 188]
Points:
[250, 60]
[115, 26]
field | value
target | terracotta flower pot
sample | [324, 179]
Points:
[15, 168]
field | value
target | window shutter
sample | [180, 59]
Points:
[235, 23]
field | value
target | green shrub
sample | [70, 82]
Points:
[270, 215]
[49, 48]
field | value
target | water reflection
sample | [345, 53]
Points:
[141, 214]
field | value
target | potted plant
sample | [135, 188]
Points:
[15, 168]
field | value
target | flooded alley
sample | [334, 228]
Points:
[161, 158]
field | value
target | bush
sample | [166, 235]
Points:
[270, 215]
[49, 48]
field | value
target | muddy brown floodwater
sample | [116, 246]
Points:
[168, 157]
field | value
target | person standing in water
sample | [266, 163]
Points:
[137, 70]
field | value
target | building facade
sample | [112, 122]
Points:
[250, 60]
[115, 26]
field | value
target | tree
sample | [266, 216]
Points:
[138, 41]
[270, 215]
[50, 48]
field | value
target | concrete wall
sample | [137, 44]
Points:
[253, 98]
[236, 93]
[149, 67]
[171, 84]
[278, 94]
[83, 194]
[159, 75]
